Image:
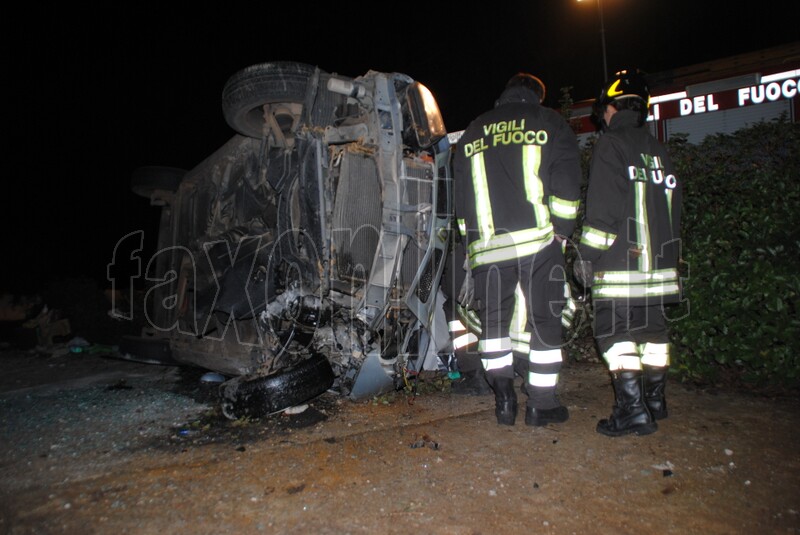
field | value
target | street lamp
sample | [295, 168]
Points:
[602, 38]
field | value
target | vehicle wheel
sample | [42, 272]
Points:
[256, 395]
[145, 180]
[146, 349]
[246, 92]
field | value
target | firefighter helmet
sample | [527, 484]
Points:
[624, 84]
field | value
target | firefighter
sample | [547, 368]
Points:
[629, 253]
[517, 187]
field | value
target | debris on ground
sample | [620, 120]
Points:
[50, 327]
[423, 441]
[78, 345]
[296, 410]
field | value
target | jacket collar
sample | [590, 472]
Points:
[623, 118]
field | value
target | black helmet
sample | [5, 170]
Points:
[624, 84]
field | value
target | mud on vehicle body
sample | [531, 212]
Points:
[305, 253]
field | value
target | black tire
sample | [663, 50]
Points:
[246, 92]
[145, 180]
[146, 349]
[254, 396]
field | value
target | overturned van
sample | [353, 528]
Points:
[304, 255]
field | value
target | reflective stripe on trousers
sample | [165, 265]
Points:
[544, 367]
[623, 356]
[654, 354]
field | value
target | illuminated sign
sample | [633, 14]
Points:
[783, 85]
[772, 92]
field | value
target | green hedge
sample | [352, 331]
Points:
[739, 321]
[741, 248]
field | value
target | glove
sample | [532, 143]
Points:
[466, 294]
[583, 273]
[568, 312]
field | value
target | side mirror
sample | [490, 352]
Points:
[428, 124]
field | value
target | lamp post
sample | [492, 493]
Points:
[602, 38]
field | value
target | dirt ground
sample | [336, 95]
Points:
[92, 445]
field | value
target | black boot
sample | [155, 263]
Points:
[539, 417]
[505, 398]
[543, 406]
[630, 414]
[471, 383]
[655, 379]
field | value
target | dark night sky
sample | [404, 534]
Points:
[97, 93]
